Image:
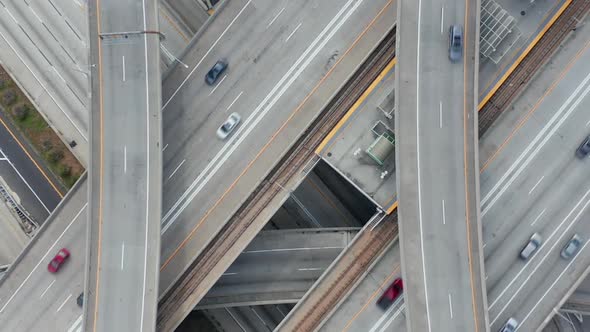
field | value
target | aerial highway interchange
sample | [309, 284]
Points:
[459, 239]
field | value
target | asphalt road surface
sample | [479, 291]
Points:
[37, 194]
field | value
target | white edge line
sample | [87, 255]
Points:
[25, 181]
[418, 162]
[264, 105]
[147, 193]
[76, 324]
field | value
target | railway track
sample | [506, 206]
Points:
[315, 307]
[191, 286]
[538, 56]
[184, 295]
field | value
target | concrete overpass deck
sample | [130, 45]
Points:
[39, 35]
[125, 189]
[28, 290]
[212, 38]
[278, 267]
[438, 188]
[505, 227]
[361, 145]
[298, 88]
[290, 253]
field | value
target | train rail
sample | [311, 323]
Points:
[538, 56]
[192, 285]
[316, 306]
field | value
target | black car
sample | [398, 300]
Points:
[214, 73]
[584, 148]
[80, 300]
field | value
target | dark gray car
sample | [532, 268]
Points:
[80, 300]
[216, 71]
[584, 149]
[571, 247]
[455, 43]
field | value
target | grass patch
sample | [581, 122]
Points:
[17, 107]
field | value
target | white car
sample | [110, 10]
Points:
[229, 125]
[510, 325]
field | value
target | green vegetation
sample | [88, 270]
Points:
[16, 107]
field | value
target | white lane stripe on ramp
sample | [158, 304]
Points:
[77, 325]
[275, 98]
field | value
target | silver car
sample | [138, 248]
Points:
[532, 246]
[572, 247]
[455, 43]
[510, 326]
[228, 126]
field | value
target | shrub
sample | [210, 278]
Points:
[8, 97]
[20, 112]
[56, 156]
[3, 83]
[47, 145]
[65, 170]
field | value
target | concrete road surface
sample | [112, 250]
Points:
[32, 299]
[296, 50]
[278, 267]
[440, 234]
[125, 174]
[45, 50]
[535, 184]
[277, 56]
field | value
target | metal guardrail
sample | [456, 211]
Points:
[27, 223]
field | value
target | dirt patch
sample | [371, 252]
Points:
[47, 144]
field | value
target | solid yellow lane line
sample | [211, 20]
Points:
[273, 137]
[392, 208]
[523, 55]
[356, 105]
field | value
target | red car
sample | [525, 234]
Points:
[58, 260]
[391, 294]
